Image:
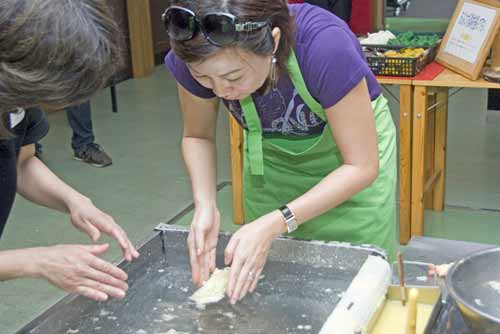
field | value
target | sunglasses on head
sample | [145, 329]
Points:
[220, 29]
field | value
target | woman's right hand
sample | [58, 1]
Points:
[78, 269]
[202, 243]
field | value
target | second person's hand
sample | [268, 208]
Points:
[86, 217]
[78, 269]
[202, 243]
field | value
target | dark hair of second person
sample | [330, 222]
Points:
[54, 53]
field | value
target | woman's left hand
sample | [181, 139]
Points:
[247, 251]
[92, 221]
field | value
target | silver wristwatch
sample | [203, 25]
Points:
[290, 220]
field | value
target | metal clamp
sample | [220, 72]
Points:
[162, 227]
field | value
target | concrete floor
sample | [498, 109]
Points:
[148, 184]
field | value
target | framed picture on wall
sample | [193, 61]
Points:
[470, 35]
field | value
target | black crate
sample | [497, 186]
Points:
[399, 66]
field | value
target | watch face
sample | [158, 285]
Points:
[291, 222]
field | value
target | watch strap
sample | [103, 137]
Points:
[290, 220]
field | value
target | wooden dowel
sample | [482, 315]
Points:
[401, 278]
[431, 181]
[411, 324]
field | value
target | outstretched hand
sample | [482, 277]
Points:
[78, 269]
[92, 221]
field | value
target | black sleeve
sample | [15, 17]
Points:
[33, 128]
[8, 179]
[341, 8]
[37, 126]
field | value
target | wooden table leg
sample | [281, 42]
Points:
[418, 160]
[141, 38]
[429, 149]
[440, 148]
[236, 144]
[405, 138]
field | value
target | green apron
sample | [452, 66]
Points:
[280, 169]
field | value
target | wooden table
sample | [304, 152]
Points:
[422, 148]
[428, 162]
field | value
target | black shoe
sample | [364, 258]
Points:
[94, 155]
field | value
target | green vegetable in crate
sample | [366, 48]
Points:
[411, 39]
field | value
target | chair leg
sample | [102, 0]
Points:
[114, 100]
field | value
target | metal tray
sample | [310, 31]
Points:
[303, 282]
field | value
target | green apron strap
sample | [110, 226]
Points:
[300, 86]
[254, 136]
[252, 119]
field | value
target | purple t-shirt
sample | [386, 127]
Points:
[331, 61]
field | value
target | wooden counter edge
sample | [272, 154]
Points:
[393, 81]
[448, 78]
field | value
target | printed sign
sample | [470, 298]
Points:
[470, 32]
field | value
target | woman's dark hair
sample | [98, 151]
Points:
[54, 53]
[259, 42]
